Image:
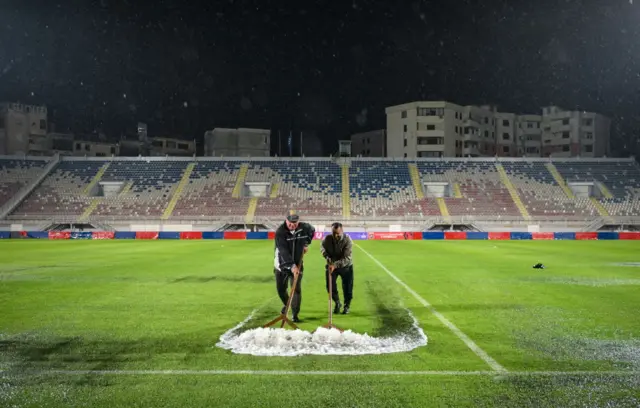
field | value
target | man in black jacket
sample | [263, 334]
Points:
[292, 240]
[336, 249]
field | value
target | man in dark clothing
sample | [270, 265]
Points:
[292, 239]
[336, 249]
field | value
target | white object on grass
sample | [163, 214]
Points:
[289, 343]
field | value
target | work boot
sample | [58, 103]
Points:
[346, 309]
[336, 309]
[296, 319]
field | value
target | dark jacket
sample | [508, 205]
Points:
[290, 244]
[337, 252]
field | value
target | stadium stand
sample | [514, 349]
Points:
[384, 188]
[541, 194]
[311, 187]
[480, 188]
[621, 180]
[209, 191]
[62, 192]
[159, 188]
[15, 174]
[149, 187]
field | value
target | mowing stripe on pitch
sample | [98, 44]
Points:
[325, 373]
[470, 343]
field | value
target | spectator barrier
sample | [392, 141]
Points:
[103, 235]
[168, 235]
[377, 236]
[472, 235]
[515, 236]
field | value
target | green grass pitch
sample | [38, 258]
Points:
[134, 324]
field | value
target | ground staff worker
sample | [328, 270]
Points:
[292, 239]
[336, 249]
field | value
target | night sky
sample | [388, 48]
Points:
[324, 66]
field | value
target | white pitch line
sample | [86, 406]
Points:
[325, 373]
[466, 339]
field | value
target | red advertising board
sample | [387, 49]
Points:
[542, 235]
[271, 235]
[146, 235]
[235, 235]
[586, 235]
[629, 235]
[455, 235]
[191, 235]
[102, 235]
[59, 234]
[500, 235]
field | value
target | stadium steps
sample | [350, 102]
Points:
[346, 197]
[242, 174]
[274, 190]
[96, 179]
[94, 204]
[251, 211]
[178, 191]
[415, 179]
[442, 205]
[456, 191]
[601, 210]
[605, 191]
[512, 191]
[558, 178]
[126, 188]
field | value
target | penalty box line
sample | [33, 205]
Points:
[459, 333]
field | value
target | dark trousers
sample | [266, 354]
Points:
[282, 285]
[346, 275]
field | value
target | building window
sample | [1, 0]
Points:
[532, 150]
[565, 135]
[588, 148]
[505, 136]
[565, 122]
[405, 142]
[493, 135]
[505, 122]
[431, 140]
[404, 128]
[100, 154]
[565, 148]
[486, 133]
[529, 125]
[43, 124]
[430, 111]
[87, 148]
[588, 135]
[429, 154]
[431, 127]
[505, 149]
[587, 122]
[405, 155]
[78, 147]
[404, 114]
[183, 146]
[113, 150]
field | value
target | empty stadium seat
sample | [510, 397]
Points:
[15, 174]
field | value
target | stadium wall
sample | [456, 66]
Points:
[375, 236]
